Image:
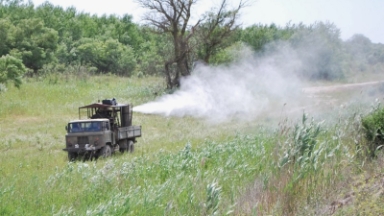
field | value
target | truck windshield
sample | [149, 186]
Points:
[77, 127]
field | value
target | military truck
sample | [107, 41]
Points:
[102, 129]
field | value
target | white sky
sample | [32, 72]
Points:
[350, 16]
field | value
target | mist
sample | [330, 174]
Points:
[243, 90]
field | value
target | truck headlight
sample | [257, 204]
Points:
[96, 142]
[69, 143]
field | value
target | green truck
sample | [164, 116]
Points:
[102, 129]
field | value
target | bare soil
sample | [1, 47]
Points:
[333, 88]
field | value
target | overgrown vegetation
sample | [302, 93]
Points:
[373, 125]
[181, 166]
[11, 69]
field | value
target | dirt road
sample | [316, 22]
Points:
[332, 88]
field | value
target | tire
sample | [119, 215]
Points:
[131, 146]
[72, 156]
[123, 145]
[106, 151]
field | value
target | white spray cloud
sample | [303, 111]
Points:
[242, 90]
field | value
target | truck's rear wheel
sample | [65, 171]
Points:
[123, 145]
[131, 146]
[106, 151]
[72, 156]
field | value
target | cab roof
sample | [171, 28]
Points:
[89, 120]
[100, 105]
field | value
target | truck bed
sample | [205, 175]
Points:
[129, 132]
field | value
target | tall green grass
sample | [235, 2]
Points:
[181, 166]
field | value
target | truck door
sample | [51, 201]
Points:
[108, 134]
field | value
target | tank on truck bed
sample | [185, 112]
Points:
[102, 129]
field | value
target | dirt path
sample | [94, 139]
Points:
[332, 88]
[320, 100]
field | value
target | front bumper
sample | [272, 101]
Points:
[82, 149]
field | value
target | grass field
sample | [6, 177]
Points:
[281, 164]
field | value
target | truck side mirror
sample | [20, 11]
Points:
[66, 128]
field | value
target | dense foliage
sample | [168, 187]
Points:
[52, 39]
[373, 125]
[12, 69]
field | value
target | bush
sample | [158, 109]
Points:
[373, 127]
[11, 69]
[108, 56]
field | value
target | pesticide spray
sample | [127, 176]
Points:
[242, 90]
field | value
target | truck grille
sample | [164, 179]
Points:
[82, 140]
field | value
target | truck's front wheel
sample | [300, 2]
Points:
[106, 151]
[72, 156]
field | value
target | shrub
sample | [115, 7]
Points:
[373, 127]
[11, 69]
[108, 56]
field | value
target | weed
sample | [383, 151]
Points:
[213, 198]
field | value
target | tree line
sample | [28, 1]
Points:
[35, 40]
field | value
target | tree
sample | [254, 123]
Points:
[11, 69]
[149, 59]
[52, 16]
[126, 32]
[34, 43]
[215, 32]
[107, 56]
[257, 36]
[319, 48]
[172, 17]
[5, 27]
[16, 10]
